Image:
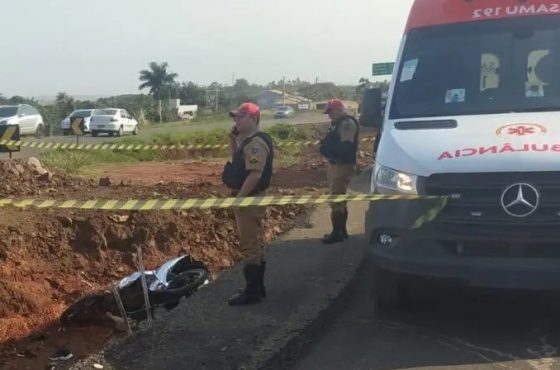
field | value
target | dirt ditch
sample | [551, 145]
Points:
[50, 258]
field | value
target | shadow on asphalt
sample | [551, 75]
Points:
[467, 328]
[486, 326]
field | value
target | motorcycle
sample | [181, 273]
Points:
[167, 285]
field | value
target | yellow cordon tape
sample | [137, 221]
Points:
[218, 203]
[430, 215]
[117, 146]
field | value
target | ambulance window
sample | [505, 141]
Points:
[537, 55]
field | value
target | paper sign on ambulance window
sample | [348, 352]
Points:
[489, 72]
[409, 69]
[534, 87]
[455, 96]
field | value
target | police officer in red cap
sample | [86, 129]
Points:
[340, 147]
[248, 174]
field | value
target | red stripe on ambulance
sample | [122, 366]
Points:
[438, 12]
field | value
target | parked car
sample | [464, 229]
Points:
[284, 112]
[28, 119]
[112, 121]
[80, 113]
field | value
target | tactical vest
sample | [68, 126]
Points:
[332, 141]
[235, 173]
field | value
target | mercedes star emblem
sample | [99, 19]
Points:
[520, 200]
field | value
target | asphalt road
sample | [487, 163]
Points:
[462, 329]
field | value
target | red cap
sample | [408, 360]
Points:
[334, 104]
[249, 109]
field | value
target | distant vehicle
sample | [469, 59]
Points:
[28, 119]
[187, 111]
[112, 121]
[284, 112]
[80, 113]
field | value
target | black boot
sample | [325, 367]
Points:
[343, 221]
[262, 289]
[251, 294]
[336, 236]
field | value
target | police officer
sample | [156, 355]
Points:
[248, 174]
[340, 147]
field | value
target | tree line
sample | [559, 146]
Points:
[161, 85]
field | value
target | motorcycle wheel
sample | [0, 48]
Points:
[186, 282]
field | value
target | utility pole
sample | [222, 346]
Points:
[217, 99]
[216, 92]
[284, 91]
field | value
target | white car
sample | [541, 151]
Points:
[112, 121]
[28, 119]
[80, 113]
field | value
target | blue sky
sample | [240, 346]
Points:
[98, 47]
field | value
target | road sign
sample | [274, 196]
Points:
[9, 132]
[77, 125]
[382, 69]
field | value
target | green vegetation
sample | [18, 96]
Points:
[285, 132]
[211, 118]
[216, 136]
[157, 78]
[76, 161]
[279, 132]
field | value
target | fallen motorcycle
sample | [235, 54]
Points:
[173, 280]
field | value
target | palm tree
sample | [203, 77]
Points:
[156, 79]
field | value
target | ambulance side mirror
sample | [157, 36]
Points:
[371, 109]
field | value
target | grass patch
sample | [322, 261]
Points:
[216, 136]
[285, 132]
[201, 119]
[279, 132]
[77, 162]
[74, 161]
[211, 118]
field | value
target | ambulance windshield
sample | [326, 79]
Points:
[499, 66]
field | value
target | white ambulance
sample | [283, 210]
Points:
[473, 114]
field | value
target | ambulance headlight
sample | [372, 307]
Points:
[395, 181]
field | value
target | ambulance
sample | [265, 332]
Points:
[472, 116]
